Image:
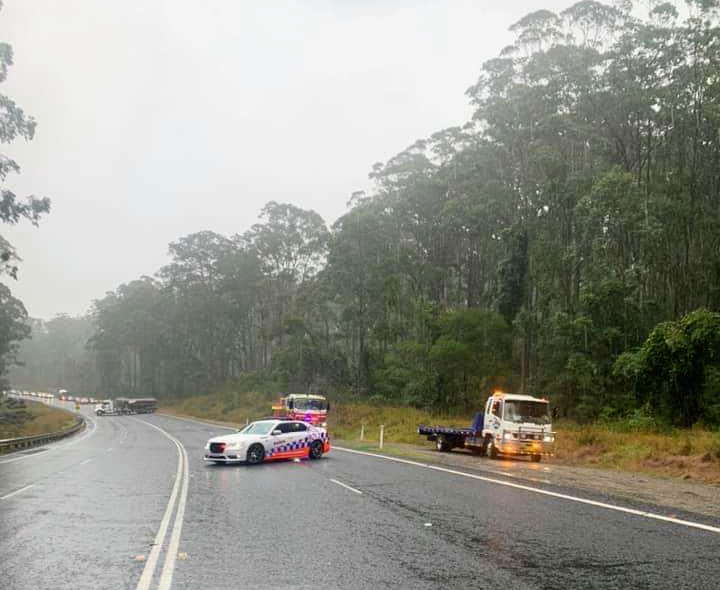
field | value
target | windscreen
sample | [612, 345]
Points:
[522, 411]
[258, 428]
[310, 404]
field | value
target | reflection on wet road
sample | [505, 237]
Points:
[89, 513]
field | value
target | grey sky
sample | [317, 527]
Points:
[158, 118]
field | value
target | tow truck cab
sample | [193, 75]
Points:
[515, 424]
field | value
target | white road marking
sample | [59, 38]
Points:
[11, 494]
[347, 487]
[174, 545]
[651, 515]
[85, 462]
[181, 478]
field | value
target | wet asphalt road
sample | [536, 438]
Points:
[96, 502]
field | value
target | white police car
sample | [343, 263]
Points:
[269, 440]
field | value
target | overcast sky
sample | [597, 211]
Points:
[158, 118]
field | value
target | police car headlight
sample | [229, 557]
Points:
[549, 438]
[509, 436]
[233, 446]
[207, 446]
[323, 424]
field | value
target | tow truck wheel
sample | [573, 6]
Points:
[535, 458]
[442, 445]
[255, 454]
[490, 448]
[316, 450]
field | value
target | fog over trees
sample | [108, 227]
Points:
[565, 241]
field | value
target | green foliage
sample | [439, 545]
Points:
[677, 367]
[14, 124]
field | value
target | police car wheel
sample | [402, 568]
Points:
[316, 449]
[255, 454]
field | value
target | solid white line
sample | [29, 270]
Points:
[11, 494]
[85, 462]
[347, 487]
[174, 545]
[651, 515]
[151, 563]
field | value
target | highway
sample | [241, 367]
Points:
[129, 503]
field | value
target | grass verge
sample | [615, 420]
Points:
[687, 454]
[32, 418]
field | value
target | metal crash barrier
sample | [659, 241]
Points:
[38, 439]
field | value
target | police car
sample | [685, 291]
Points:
[269, 440]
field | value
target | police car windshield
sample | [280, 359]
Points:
[258, 428]
[534, 412]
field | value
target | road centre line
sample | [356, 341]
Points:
[347, 487]
[172, 551]
[181, 477]
[634, 512]
[11, 494]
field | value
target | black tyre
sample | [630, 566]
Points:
[442, 445]
[255, 454]
[316, 449]
[536, 458]
[490, 448]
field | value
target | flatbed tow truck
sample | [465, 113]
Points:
[512, 424]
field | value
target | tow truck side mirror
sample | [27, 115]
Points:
[276, 432]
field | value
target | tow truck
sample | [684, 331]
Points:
[307, 407]
[511, 424]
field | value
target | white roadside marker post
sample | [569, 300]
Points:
[362, 431]
[382, 435]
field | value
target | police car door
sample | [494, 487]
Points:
[281, 442]
[298, 436]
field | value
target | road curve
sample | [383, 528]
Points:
[93, 514]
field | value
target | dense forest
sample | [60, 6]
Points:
[565, 241]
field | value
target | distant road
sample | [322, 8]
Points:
[85, 512]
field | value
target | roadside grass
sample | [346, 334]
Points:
[688, 454]
[34, 418]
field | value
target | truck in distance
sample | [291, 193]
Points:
[511, 424]
[126, 405]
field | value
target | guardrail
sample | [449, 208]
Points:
[38, 439]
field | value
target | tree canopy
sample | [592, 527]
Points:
[536, 246]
